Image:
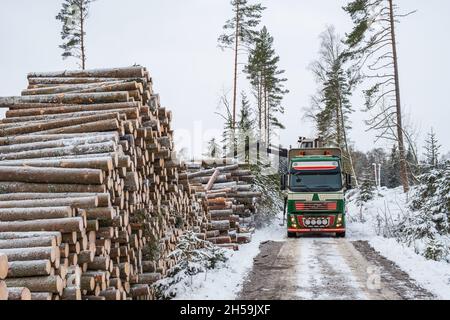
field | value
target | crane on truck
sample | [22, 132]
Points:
[314, 187]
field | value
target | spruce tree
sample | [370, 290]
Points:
[245, 136]
[432, 150]
[373, 46]
[213, 149]
[428, 222]
[239, 33]
[73, 16]
[367, 187]
[393, 169]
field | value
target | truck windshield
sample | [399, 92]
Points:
[316, 182]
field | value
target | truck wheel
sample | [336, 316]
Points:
[292, 235]
[340, 235]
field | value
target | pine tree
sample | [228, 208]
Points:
[73, 16]
[432, 150]
[331, 107]
[239, 33]
[267, 83]
[373, 46]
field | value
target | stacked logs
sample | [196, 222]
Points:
[226, 190]
[11, 293]
[91, 203]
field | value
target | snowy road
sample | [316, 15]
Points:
[326, 269]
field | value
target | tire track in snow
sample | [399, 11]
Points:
[326, 269]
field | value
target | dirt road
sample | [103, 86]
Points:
[326, 269]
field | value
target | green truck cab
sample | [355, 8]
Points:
[314, 192]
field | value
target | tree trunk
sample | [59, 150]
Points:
[236, 48]
[401, 143]
[83, 55]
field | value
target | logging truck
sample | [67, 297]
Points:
[314, 187]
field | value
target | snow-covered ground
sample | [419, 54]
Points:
[391, 204]
[226, 282]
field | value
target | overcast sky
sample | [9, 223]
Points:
[177, 41]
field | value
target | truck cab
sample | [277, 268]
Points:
[314, 188]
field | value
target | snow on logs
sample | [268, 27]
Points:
[91, 203]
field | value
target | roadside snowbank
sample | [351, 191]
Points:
[373, 224]
[225, 282]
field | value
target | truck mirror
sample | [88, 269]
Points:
[283, 182]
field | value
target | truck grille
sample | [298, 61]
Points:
[315, 206]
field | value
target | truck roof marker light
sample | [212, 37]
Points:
[314, 166]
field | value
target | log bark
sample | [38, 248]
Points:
[68, 98]
[53, 284]
[63, 225]
[128, 72]
[9, 141]
[98, 126]
[27, 254]
[41, 296]
[32, 268]
[34, 242]
[71, 293]
[51, 175]
[71, 125]
[38, 110]
[31, 212]
[104, 199]
[83, 149]
[212, 180]
[80, 203]
[9, 187]
[30, 235]
[105, 163]
[19, 294]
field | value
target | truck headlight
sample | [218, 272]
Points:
[293, 219]
[340, 220]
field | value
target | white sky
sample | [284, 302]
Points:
[177, 41]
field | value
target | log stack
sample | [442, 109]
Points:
[226, 189]
[91, 200]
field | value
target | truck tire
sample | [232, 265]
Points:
[340, 235]
[292, 235]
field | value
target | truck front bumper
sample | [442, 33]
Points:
[324, 230]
